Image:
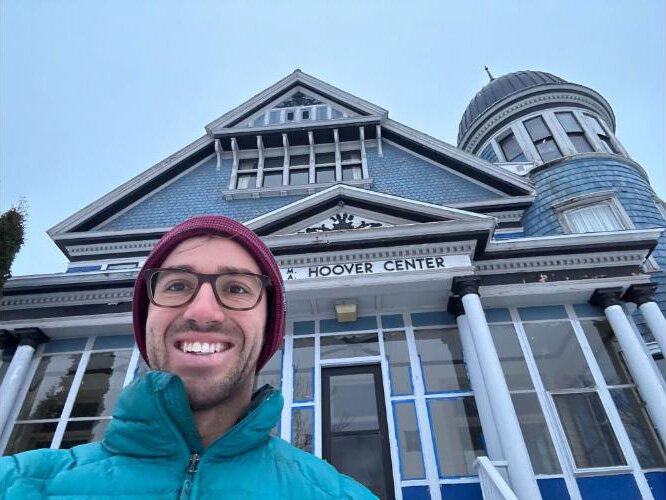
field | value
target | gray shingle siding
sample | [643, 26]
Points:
[403, 174]
[199, 191]
[589, 175]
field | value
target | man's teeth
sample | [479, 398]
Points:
[204, 347]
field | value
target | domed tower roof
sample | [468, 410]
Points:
[512, 88]
[498, 89]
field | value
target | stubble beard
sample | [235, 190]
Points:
[206, 393]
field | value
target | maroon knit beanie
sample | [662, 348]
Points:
[217, 225]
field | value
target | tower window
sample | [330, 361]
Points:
[595, 125]
[511, 149]
[542, 138]
[574, 131]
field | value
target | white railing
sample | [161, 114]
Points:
[493, 485]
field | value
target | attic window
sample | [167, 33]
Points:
[299, 110]
[277, 174]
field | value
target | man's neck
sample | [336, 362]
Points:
[215, 422]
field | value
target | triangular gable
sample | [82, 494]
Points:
[284, 89]
[95, 214]
[328, 208]
[297, 106]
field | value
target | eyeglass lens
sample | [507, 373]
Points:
[175, 287]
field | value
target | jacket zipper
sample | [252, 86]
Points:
[192, 469]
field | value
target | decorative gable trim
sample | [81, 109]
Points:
[395, 206]
[286, 85]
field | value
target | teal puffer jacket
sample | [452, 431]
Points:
[152, 450]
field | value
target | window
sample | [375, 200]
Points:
[247, 173]
[409, 442]
[303, 361]
[511, 149]
[457, 434]
[637, 423]
[591, 213]
[454, 419]
[542, 138]
[594, 218]
[351, 165]
[574, 131]
[488, 154]
[525, 401]
[44, 420]
[574, 393]
[598, 129]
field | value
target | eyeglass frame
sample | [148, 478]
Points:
[149, 273]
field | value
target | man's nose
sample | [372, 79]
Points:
[204, 308]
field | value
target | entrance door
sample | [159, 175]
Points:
[355, 435]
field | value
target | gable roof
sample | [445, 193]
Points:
[93, 215]
[341, 195]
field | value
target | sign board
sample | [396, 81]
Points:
[429, 263]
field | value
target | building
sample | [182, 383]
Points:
[487, 314]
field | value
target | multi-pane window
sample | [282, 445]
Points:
[580, 400]
[511, 149]
[303, 113]
[451, 407]
[542, 138]
[594, 123]
[72, 393]
[273, 167]
[574, 131]
[324, 167]
[351, 165]
[637, 423]
[247, 173]
[525, 401]
[298, 170]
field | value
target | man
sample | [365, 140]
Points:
[208, 314]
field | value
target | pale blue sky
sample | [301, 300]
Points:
[94, 92]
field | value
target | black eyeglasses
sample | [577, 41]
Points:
[178, 287]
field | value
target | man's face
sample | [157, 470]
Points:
[209, 378]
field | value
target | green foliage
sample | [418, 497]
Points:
[12, 230]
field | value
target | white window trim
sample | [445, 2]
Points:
[590, 199]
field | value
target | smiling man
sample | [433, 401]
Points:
[208, 312]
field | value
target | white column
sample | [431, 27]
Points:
[638, 361]
[29, 339]
[656, 323]
[490, 434]
[521, 473]
[643, 296]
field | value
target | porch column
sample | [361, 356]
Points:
[490, 434]
[643, 296]
[636, 355]
[28, 340]
[521, 473]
